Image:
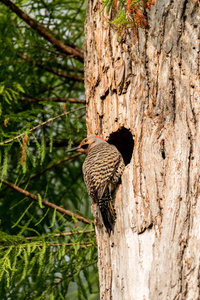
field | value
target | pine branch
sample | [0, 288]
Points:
[82, 245]
[51, 167]
[81, 115]
[59, 54]
[75, 52]
[47, 203]
[42, 124]
[65, 233]
[74, 272]
[56, 72]
[54, 99]
[62, 143]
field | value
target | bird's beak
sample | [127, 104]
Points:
[73, 149]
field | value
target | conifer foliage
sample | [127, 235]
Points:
[47, 239]
[128, 14]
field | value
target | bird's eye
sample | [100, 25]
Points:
[85, 140]
[84, 146]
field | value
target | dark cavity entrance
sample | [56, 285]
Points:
[124, 142]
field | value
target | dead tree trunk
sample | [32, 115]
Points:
[153, 89]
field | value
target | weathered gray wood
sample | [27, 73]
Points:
[153, 88]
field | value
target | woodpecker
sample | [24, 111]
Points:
[102, 170]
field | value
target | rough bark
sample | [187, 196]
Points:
[153, 89]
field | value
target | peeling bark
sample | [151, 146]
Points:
[153, 89]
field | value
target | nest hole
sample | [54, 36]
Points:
[123, 140]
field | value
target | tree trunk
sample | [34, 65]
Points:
[153, 89]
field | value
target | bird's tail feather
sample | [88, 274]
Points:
[107, 211]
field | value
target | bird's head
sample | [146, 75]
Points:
[87, 144]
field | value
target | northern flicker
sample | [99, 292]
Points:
[102, 170]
